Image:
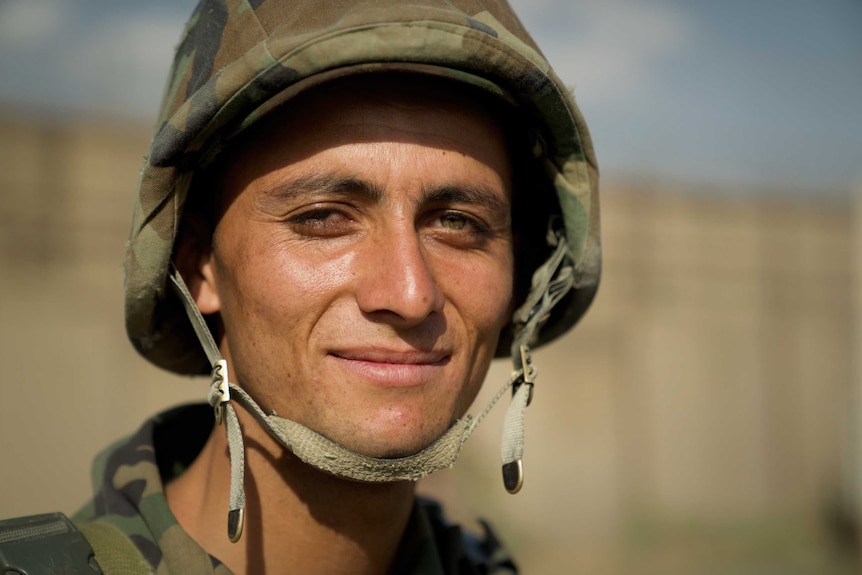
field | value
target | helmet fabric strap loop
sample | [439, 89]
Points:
[550, 283]
[219, 399]
[236, 450]
[197, 320]
[512, 447]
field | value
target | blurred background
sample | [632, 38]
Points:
[704, 417]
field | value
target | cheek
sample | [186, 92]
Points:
[489, 291]
[485, 310]
[280, 283]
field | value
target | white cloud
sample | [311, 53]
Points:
[25, 23]
[82, 55]
[610, 47]
[124, 62]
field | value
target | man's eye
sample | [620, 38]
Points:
[453, 221]
[457, 221]
[321, 222]
[457, 226]
[315, 217]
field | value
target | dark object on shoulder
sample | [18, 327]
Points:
[47, 544]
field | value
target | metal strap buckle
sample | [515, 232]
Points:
[220, 386]
[528, 371]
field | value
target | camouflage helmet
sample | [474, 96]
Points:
[238, 60]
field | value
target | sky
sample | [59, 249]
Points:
[758, 96]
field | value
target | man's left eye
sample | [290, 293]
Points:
[453, 221]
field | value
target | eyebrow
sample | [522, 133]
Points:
[320, 184]
[333, 185]
[325, 184]
[466, 193]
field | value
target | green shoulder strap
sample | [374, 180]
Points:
[114, 551]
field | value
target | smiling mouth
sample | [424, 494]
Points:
[393, 368]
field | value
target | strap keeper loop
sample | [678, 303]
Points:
[220, 389]
[528, 373]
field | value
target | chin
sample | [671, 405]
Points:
[392, 443]
[389, 429]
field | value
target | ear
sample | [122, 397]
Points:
[193, 258]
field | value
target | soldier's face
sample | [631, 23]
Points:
[362, 266]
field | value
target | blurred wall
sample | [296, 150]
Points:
[696, 420]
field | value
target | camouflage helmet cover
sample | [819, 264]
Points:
[238, 59]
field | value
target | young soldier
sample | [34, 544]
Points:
[349, 208]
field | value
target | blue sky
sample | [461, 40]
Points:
[731, 94]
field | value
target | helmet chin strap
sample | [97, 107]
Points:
[553, 279]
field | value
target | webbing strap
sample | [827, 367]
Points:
[114, 551]
[198, 323]
[236, 451]
[550, 282]
[326, 455]
[219, 399]
[512, 445]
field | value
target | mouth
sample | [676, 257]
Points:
[393, 368]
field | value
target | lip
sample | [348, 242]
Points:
[392, 367]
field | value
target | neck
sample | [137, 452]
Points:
[295, 515]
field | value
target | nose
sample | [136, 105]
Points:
[397, 283]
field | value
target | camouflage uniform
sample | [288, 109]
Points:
[129, 480]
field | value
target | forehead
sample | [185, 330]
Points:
[428, 111]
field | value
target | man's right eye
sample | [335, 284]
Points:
[322, 222]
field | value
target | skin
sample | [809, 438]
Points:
[362, 274]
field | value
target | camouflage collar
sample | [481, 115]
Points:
[129, 477]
